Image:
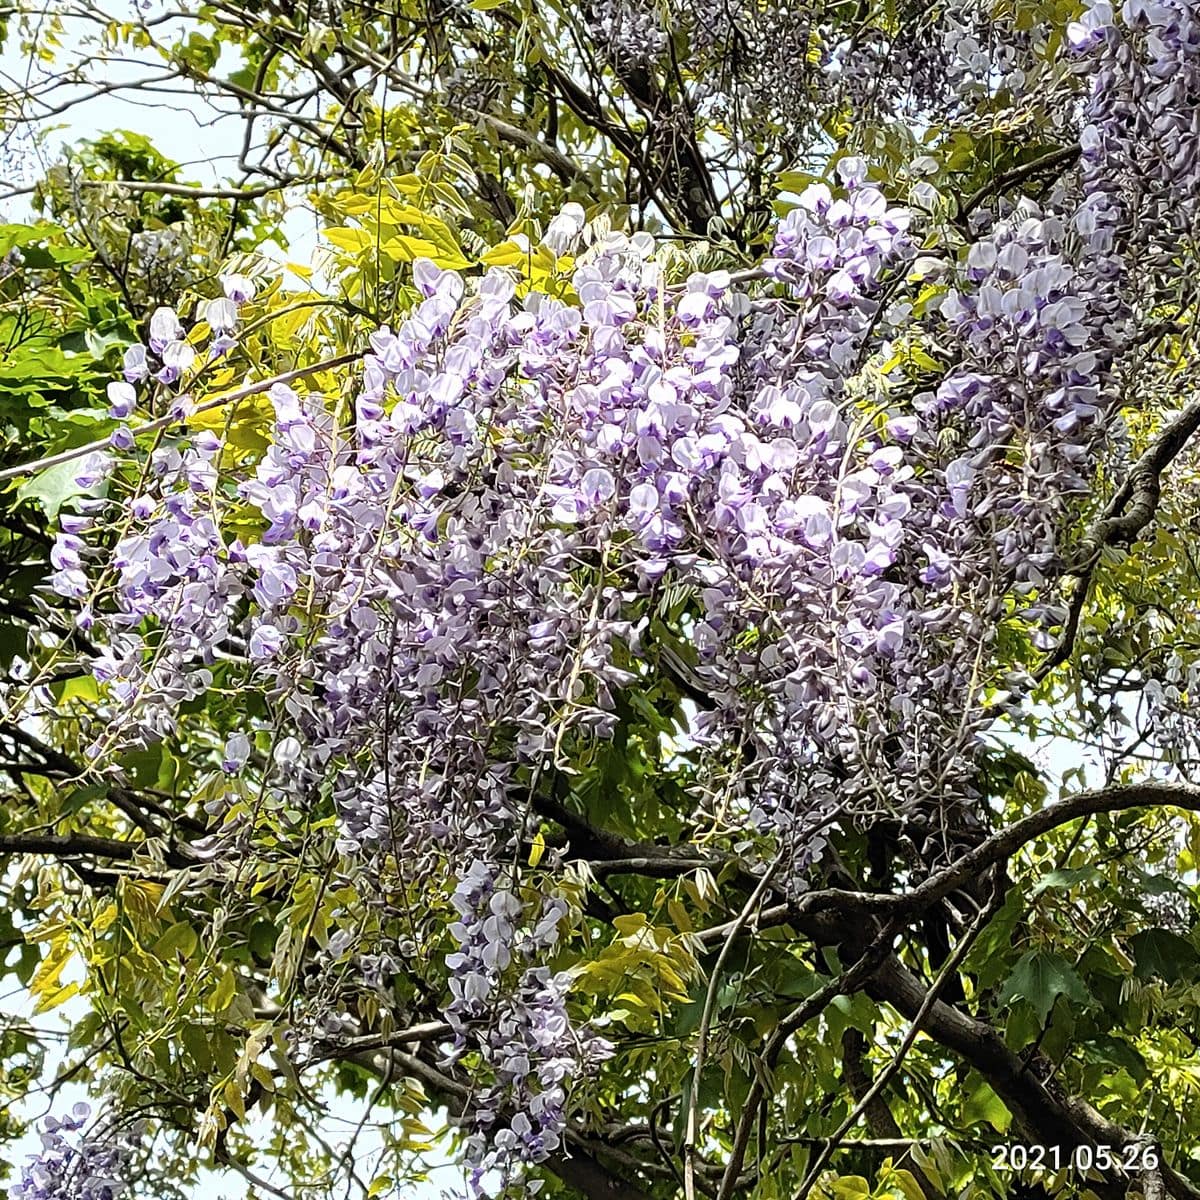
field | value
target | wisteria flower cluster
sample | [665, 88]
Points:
[631, 31]
[1140, 137]
[530, 1043]
[934, 62]
[73, 1165]
[928, 63]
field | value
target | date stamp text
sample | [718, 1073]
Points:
[1135, 1157]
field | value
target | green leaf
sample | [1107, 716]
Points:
[993, 948]
[100, 344]
[851, 1187]
[1041, 977]
[906, 1181]
[44, 986]
[223, 994]
[83, 796]
[795, 181]
[793, 977]
[82, 687]
[1066, 878]
[85, 1029]
[1159, 952]
[351, 240]
[53, 487]
[180, 937]
[262, 938]
[1116, 1052]
[929, 1168]
[27, 235]
[13, 641]
[984, 1105]
[154, 766]
[403, 247]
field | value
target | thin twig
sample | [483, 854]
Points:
[710, 997]
[249, 389]
[889, 1072]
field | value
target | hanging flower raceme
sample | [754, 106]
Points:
[529, 1043]
[74, 1165]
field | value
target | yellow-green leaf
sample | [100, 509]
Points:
[233, 1100]
[223, 994]
[351, 240]
[906, 1181]
[537, 849]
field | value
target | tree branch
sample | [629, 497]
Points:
[994, 850]
[1062, 157]
[249, 389]
[69, 845]
[1131, 508]
[1041, 1107]
[207, 193]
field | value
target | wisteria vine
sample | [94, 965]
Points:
[445, 590]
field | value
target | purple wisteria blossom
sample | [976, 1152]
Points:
[73, 1165]
[530, 1043]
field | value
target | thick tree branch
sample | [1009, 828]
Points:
[1131, 508]
[610, 854]
[136, 806]
[1003, 845]
[68, 846]
[1040, 1105]
[990, 853]
[1133, 505]
[355, 1047]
